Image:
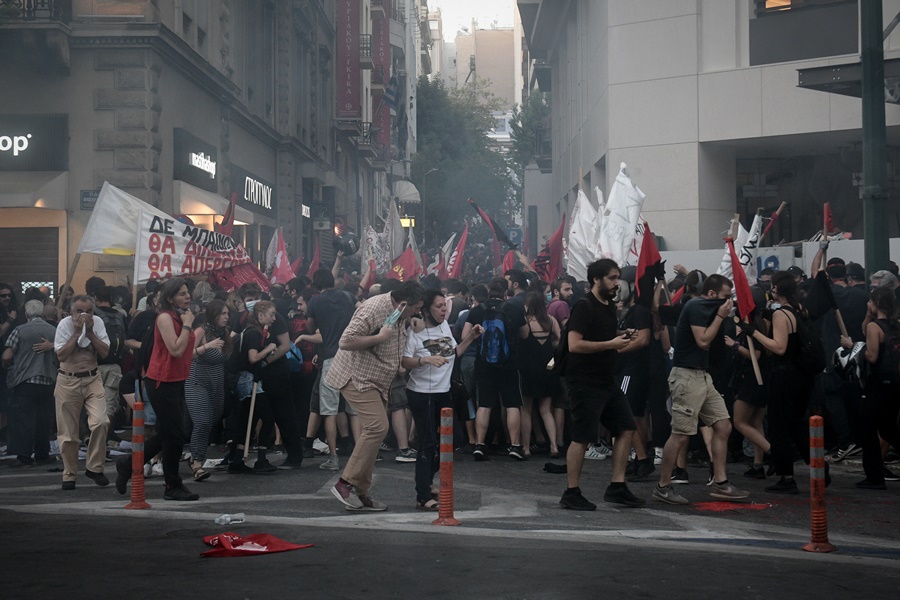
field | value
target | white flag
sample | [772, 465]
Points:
[112, 228]
[581, 239]
[393, 233]
[621, 218]
[746, 246]
[272, 251]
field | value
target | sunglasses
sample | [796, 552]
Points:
[5, 295]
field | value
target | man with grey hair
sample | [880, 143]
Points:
[80, 340]
[31, 373]
[883, 278]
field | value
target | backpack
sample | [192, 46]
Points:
[560, 358]
[494, 349]
[810, 357]
[142, 355]
[889, 353]
[294, 359]
[115, 330]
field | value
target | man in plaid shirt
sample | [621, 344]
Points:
[368, 358]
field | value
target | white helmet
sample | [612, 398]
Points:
[850, 363]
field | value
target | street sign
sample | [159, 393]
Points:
[89, 199]
[515, 235]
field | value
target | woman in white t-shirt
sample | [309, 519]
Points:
[429, 356]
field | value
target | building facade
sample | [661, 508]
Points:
[703, 101]
[182, 104]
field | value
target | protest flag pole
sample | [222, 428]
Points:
[250, 420]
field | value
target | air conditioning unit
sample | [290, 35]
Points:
[321, 225]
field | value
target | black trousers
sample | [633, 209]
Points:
[789, 393]
[168, 402]
[32, 414]
[881, 404]
[281, 399]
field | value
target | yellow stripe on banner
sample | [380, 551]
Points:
[118, 251]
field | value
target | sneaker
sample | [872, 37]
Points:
[657, 456]
[842, 453]
[180, 493]
[367, 504]
[726, 491]
[622, 495]
[516, 452]
[890, 475]
[680, 476]
[642, 470]
[123, 473]
[406, 455]
[597, 452]
[784, 486]
[331, 464]
[385, 447]
[290, 463]
[632, 456]
[892, 458]
[668, 495]
[711, 477]
[379, 458]
[68, 485]
[478, 453]
[264, 466]
[573, 500]
[865, 484]
[346, 493]
[755, 472]
[319, 447]
[99, 478]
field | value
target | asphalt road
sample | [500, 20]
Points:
[514, 541]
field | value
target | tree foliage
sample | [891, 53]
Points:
[527, 119]
[452, 130]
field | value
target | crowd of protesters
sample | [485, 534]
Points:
[576, 370]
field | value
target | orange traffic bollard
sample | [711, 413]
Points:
[817, 473]
[445, 512]
[137, 458]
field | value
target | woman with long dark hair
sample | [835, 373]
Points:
[170, 366]
[881, 398]
[789, 387]
[205, 386]
[429, 358]
[538, 383]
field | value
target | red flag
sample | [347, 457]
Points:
[295, 266]
[745, 303]
[548, 263]
[499, 235]
[676, 297]
[454, 263]
[232, 544]
[829, 221]
[227, 224]
[234, 277]
[509, 261]
[314, 264]
[404, 268]
[648, 267]
[769, 224]
[281, 271]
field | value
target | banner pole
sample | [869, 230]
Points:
[735, 224]
[61, 293]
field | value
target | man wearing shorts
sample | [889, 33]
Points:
[693, 394]
[595, 399]
[329, 312]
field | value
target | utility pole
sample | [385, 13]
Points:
[875, 197]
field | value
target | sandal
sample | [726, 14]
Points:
[431, 505]
[199, 473]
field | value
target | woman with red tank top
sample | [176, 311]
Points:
[170, 366]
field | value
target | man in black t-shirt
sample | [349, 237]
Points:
[496, 373]
[693, 394]
[594, 343]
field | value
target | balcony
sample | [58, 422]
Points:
[381, 158]
[543, 149]
[379, 80]
[377, 8]
[35, 10]
[366, 60]
[349, 127]
[366, 141]
[398, 14]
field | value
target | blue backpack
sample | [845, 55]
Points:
[494, 342]
[294, 359]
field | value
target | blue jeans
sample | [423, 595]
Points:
[426, 412]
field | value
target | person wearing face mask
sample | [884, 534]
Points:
[368, 357]
[429, 357]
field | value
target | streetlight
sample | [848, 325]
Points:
[424, 220]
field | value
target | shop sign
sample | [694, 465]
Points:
[89, 199]
[34, 142]
[254, 193]
[305, 211]
[195, 161]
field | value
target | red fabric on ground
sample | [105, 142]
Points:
[232, 544]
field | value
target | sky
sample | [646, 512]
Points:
[459, 13]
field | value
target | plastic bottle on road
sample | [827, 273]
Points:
[230, 519]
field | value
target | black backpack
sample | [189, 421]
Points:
[889, 353]
[142, 355]
[115, 330]
[810, 357]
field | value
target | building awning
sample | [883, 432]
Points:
[33, 189]
[406, 192]
[846, 79]
[191, 200]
